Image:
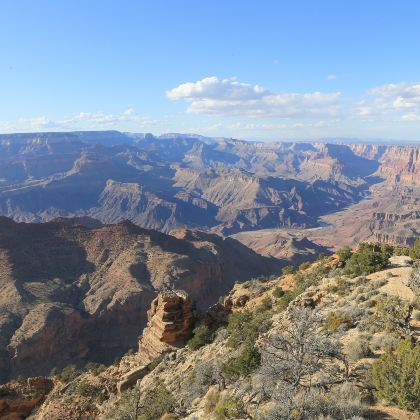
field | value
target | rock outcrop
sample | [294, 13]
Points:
[19, 399]
[169, 325]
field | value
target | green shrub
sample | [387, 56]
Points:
[385, 342]
[243, 365]
[368, 259]
[284, 301]
[226, 409]
[341, 287]
[414, 280]
[344, 253]
[265, 305]
[201, 336]
[69, 373]
[246, 326]
[211, 400]
[154, 363]
[85, 389]
[278, 292]
[95, 368]
[415, 250]
[396, 376]
[289, 269]
[401, 251]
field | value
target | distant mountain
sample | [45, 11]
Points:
[175, 180]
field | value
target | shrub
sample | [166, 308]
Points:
[304, 265]
[203, 376]
[278, 292]
[358, 349]
[85, 389]
[126, 408]
[335, 321]
[289, 269]
[69, 373]
[401, 251]
[396, 376]
[265, 305]
[226, 409]
[344, 253]
[154, 363]
[341, 287]
[95, 368]
[414, 280]
[384, 341]
[156, 403]
[243, 365]
[201, 336]
[367, 260]
[392, 314]
[246, 326]
[415, 250]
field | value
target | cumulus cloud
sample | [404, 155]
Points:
[397, 100]
[332, 77]
[228, 97]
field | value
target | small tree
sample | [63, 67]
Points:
[201, 336]
[368, 259]
[243, 365]
[415, 250]
[396, 376]
[298, 359]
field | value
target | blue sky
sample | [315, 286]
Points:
[248, 69]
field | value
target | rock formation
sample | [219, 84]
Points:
[169, 325]
[19, 399]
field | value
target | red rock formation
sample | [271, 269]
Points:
[169, 325]
[401, 164]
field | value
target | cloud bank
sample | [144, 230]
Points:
[228, 97]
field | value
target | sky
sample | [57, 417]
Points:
[258, 70]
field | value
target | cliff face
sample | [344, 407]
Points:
[401, 165]
[169, 325]
[73, 294]
[398, 164]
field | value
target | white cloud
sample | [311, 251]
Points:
[83, 121]
[332, 77]
[229, 97]
[394, 100]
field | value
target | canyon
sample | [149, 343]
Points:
[219, 185]
[76, 292]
